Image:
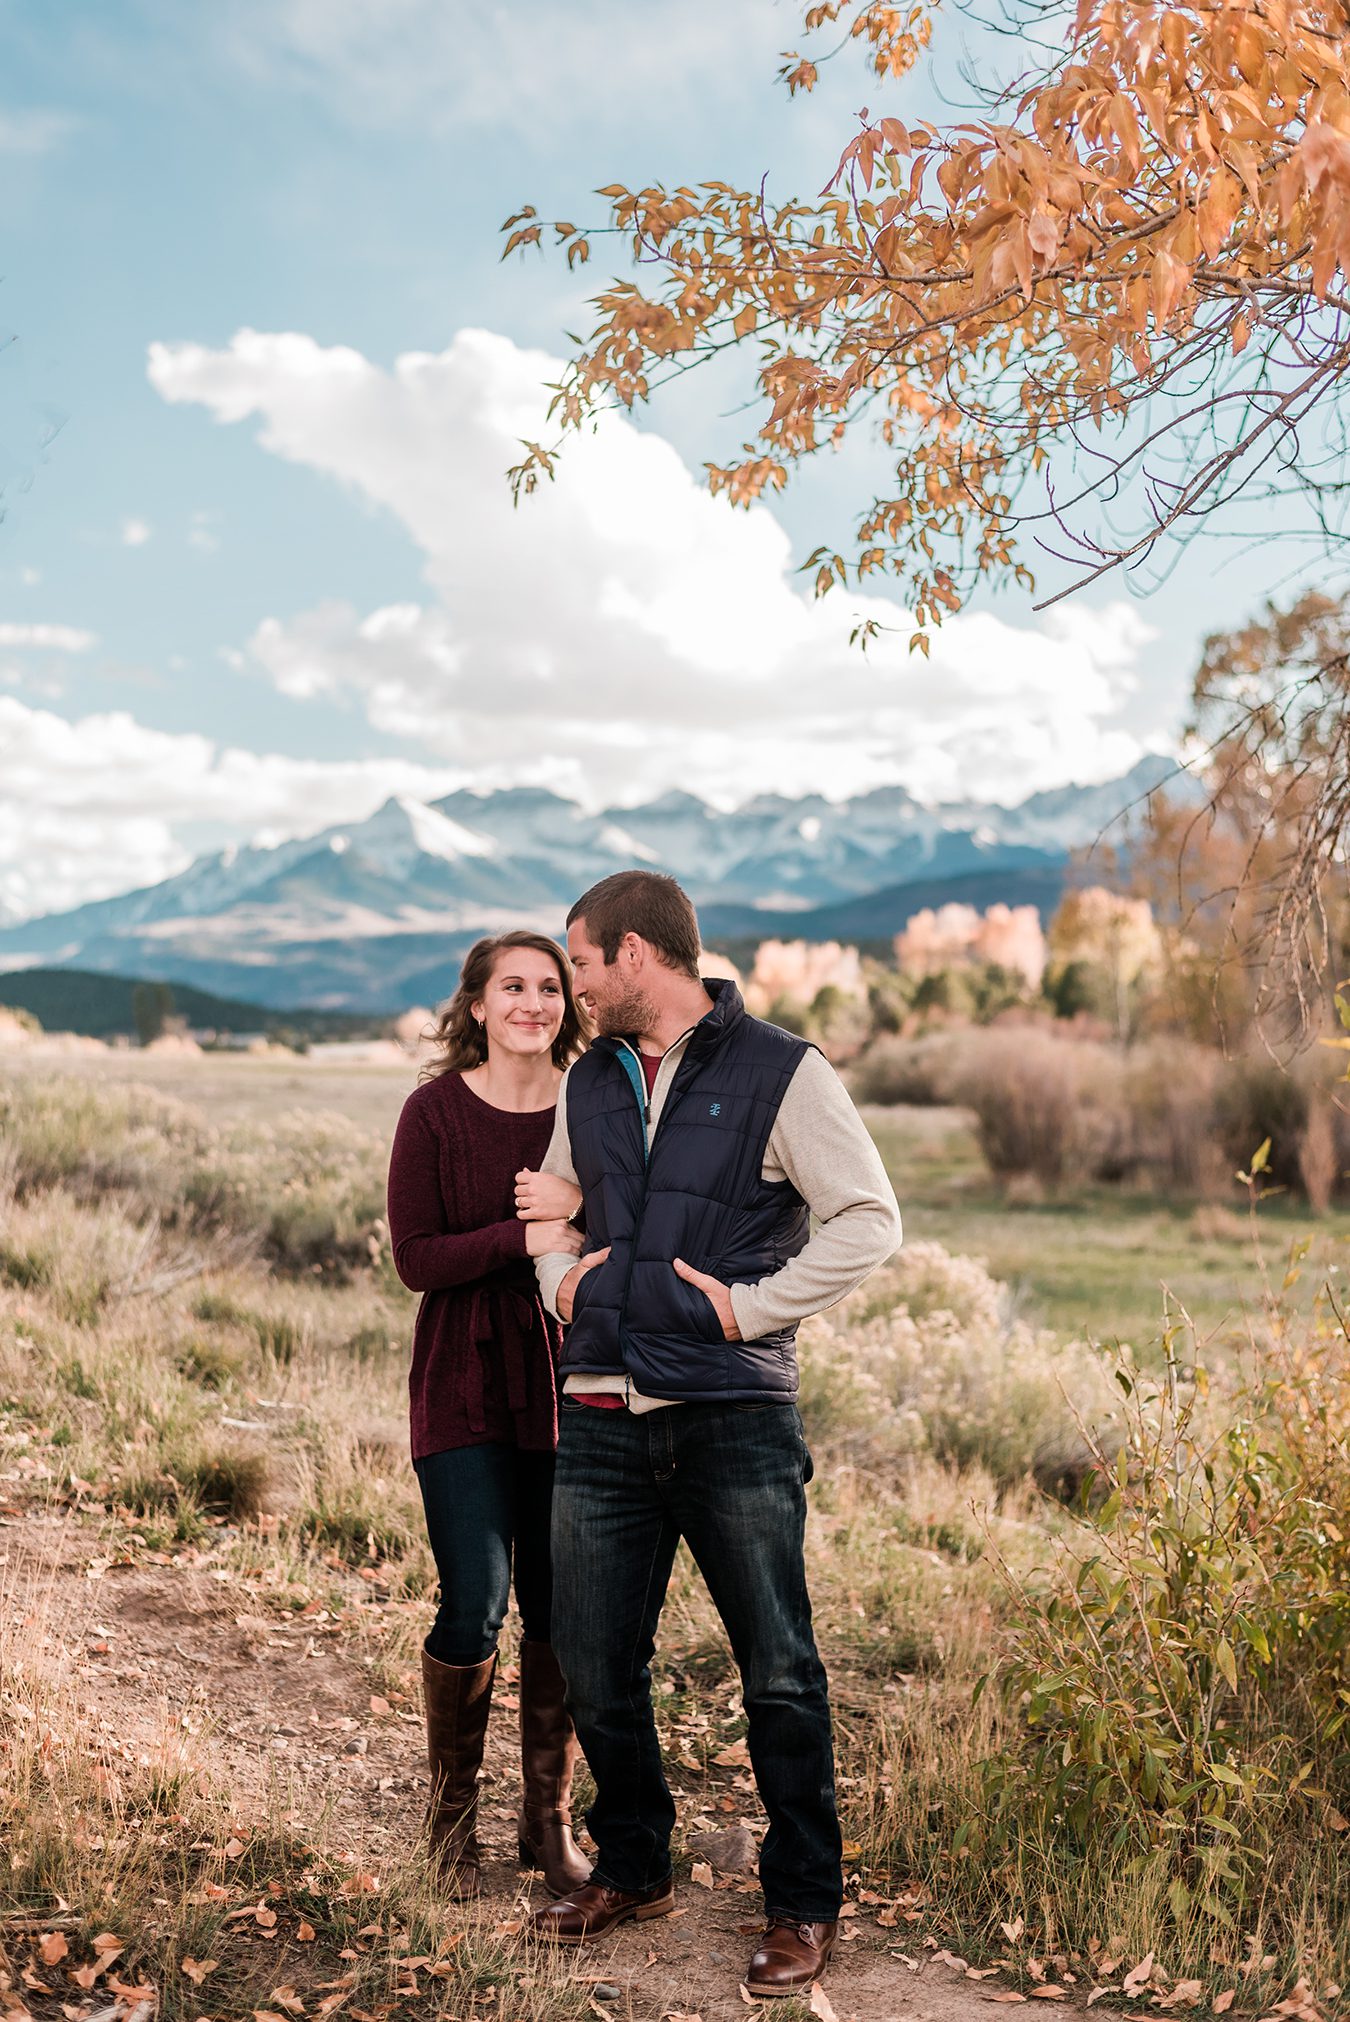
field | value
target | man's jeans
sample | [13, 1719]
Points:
[730, 1479]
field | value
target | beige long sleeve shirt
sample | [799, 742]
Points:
[819, 1143]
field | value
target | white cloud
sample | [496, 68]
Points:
[135, 533]
[47, 638]
[98, 806]
[622, 624]
[30, 577]
[202, 533]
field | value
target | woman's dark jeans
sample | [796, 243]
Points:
[731, 1480]
[487, 1506]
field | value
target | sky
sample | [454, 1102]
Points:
[264, 377]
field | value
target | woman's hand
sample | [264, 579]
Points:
[543, 1239]
[543, 1197]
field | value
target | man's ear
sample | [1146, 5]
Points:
[634, 949]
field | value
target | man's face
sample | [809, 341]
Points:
[609, 990]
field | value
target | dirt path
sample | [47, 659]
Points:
[280, 1709]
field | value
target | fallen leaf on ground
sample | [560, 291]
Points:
[232, 1849]
[379, 1705]
[1223, 2002]
[1100, 1993]
[1006, 1994]
[701, 1873]
[52, 1948]
[737, 1756]
[1138, 1976]
[1013, 1931]
[265, 1917]
[1049, 1992]
[1301, 2005]
[305, 1934]
[821, 2004]
[196, 1970]
[1186, 1994]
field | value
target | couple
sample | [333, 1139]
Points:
[665, 1185]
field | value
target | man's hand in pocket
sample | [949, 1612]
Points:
[567, 1290]
[718, 1293]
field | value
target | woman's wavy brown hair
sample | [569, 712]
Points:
[462, 1041]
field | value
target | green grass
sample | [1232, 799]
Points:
[1092, 1261]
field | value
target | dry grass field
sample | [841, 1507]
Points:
[1076, 1742]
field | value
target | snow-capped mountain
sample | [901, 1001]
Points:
[374, 913]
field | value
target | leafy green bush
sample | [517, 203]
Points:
[1182, 1674]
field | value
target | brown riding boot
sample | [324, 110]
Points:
[548, 1755]
[458, 1698]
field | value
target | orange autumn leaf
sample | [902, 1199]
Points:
[1165, 207]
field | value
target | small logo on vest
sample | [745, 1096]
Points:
[714, 1109]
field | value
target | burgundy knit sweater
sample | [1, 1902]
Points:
[484, 1349]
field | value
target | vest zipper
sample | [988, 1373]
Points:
[644, 1110]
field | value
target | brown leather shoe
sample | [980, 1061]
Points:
[458, 1699]
[789, 1957]
[591, 1911]
[548, 1757]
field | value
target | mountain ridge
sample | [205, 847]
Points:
[351, 917]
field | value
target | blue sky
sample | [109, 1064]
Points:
[251, 585]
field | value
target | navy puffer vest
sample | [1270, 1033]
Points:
[696, 1191]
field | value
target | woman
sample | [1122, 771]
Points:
[484, 1404]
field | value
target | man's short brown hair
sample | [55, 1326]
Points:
[645, 903]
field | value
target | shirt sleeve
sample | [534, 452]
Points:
[553, 1266]
[427, 1257]
[822, 1145]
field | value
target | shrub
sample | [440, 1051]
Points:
[1181, 1677]
[221, 1477]
[921, 1071]
[307, 1191]
[279, 1335]
[927, 1358]
[1169, 1092]
[22, 1268]
[1255, 1099]
[1046, 1107]
[208, 1362]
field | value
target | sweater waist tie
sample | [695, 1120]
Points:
[503, 1319]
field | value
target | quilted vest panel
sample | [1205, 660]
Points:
[695, 1191]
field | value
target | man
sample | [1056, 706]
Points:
[704, 1141]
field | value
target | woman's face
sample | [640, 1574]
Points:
[522, 1006]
